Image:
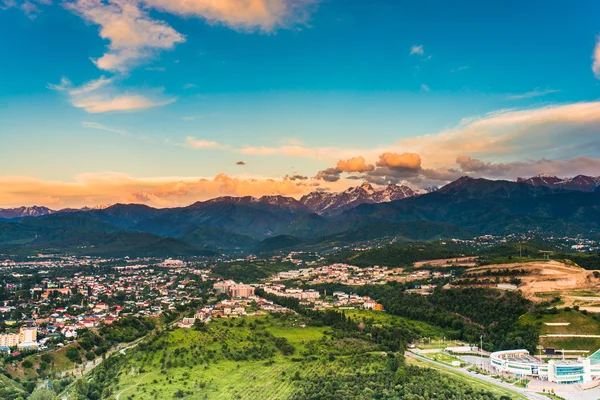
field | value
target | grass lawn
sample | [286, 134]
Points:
[437, 344]
[579, 323]
[444, 358]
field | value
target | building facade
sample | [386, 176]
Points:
[521, 363]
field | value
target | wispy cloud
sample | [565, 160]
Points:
[100, 96]
[425, 88]
[195, 143]
[534, 93]
[31, 8]
[417, 49]
[461, 68]
[95, 125]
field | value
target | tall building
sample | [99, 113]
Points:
[241, 290]
[26, 336]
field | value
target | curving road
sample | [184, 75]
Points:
[484, 378]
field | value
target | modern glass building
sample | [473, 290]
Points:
[521, 363]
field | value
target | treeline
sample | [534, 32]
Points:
[485, 281]
[499, 272]
[402, 255]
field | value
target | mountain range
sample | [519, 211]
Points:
[580, 182]
[325, 203]
[461, 209]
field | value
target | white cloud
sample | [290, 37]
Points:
[534, 93]
[29, 7]
[596, 58]
[194, 143]
[417, 49]
[461, 68]
[102, 104]
[425, 88]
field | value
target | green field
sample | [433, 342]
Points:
[579, 324]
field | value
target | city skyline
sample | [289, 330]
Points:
[169, 102]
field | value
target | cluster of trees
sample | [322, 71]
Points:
[387, 380]
[471, 312]
[500, 273]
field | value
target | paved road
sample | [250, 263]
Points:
[485, 378]
[568, 335]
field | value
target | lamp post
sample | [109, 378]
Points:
[481, 349]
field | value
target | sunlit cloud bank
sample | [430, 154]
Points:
[109, 188]
[559, 139]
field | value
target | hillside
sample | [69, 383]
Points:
[271, 357]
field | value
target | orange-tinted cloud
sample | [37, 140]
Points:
[240, 14]
[407, 161]
[355, 164]
[133, 36]
[109, 188]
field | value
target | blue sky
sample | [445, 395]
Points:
[160, 101]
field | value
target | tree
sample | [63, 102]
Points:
[42, 394]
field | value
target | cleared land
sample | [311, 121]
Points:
[545, 279]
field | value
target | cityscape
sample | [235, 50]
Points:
[299, 200]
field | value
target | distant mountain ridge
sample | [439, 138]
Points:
[20, 212]
[464, 208]
[582, 183]
[327, 203]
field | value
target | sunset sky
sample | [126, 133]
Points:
[166, 102]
